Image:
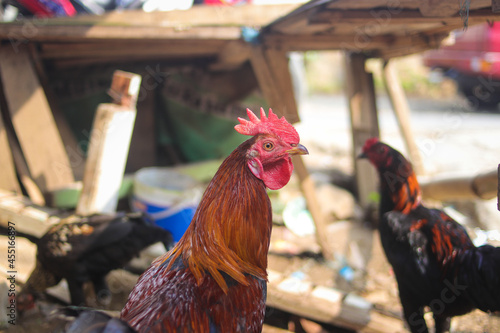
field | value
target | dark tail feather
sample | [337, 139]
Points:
[480, 272]
[85, 320]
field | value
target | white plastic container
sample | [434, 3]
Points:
[167, 196]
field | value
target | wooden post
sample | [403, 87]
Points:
[364, 123]
[109, 145]
[495, 6]
[143, 143]
[271, 70]
[33, 121]
[482, 186]
[8, 180]
[402, 112]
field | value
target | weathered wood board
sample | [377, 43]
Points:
[33, 121]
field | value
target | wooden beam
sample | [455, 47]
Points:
[327, 305]
[366, 17]
[8, 179]
[75, 155]
[143, 142]
[265, 78]
[29, 185]
[109, 146]
[354, 42]
[438, 8]
[482, 186]
[33, 121]
[16, 34]
[241, 15]
[275, 83]
[495, 6]
[26, 216]
[402, 111]
[232, 55]
[123, 48]
[277, 61]
[364, 123]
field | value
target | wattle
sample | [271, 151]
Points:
[274, 174]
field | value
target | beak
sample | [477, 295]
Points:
[299, 150]
[362, 155]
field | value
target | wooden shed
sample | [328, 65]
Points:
[234, 50]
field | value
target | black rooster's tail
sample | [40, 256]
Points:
[479, 274]
[85, 320]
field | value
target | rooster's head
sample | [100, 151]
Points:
[269, 158]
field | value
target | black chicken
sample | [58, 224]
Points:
[88, 250]
[434, 260]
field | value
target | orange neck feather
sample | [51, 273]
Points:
[231, 229]
[408, 197]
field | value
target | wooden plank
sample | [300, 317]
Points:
[439, 8]
[16, 33]
[25, 177]
[280, 95]
[8, 179]
[271, 329]
[26, 216]
[142, 151]
[265, 78]
[149, 49]
[75, 155]
[402, 112]
[232, 55]
[327, 305]
[109, 146]
[33, 121]
[483, 186]
[400, 4]
[297, 42]
[16, 154]
[354, 43]
[366, 17]
[277, 61]
[241, 15]
[364, 123]
[495, 6]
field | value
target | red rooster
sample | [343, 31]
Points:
[434, 260]
[214, 279]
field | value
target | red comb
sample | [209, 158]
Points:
[267, 125]
[369, 143]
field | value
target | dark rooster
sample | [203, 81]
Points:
[87, 250]
[434, 260]
[214, 279]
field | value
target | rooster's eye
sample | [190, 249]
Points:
[268, 146]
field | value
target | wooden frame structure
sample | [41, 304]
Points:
[218, 37]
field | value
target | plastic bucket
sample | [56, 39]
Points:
[168, 197]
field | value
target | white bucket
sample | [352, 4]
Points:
[167, 196]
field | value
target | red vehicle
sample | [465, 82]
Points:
[472, 59]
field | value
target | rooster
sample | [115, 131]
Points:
[434, 260]
[214, 279]
[87, 250]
